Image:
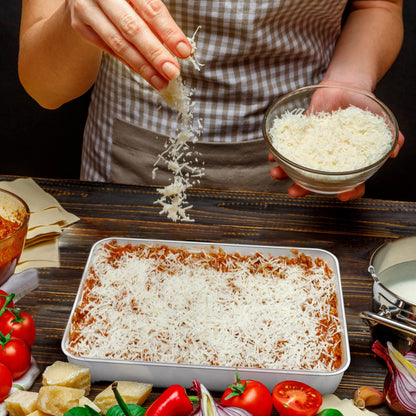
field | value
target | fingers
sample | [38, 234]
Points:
[355, 193]
[138, 43]
[134, 32]
[277, 172]
[399, 145]
[158, 18]
[297, 191]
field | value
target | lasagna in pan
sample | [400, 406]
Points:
[156, 303]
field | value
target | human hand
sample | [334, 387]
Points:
[140, 33]
[295, 190]
[328, 100]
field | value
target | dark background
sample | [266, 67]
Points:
[47, 143]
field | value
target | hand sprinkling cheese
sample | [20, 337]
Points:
[177, 156]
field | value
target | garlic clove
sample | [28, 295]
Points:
[368, 396]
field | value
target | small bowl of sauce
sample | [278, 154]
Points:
[14, 218]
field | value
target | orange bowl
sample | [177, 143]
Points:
[14, 218]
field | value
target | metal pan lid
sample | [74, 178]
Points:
[394, 252]
[393, 265]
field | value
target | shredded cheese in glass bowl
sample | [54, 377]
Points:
[329, 139]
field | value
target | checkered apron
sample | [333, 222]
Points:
[252, 51]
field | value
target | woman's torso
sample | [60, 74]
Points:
[251, 51]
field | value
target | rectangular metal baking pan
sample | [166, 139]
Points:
[215, 378]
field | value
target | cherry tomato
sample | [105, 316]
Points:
[250, 395]
[21, 325]
[3, 299]
[292, 398]
[15, 355]
[6, 381]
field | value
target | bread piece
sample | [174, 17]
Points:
[131, 392]
[65, 374]
[56, 400]
[21, 403]
[86, 401]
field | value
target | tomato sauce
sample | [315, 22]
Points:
[7, 227]
[9, 251]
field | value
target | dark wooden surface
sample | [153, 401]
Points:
[351, 231]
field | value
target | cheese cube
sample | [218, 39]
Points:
[65, 374]
[21, 403]
[131, 392]
[38, 413]
[86, 401]
[56, 400]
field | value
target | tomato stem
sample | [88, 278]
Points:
[4, 339]
[8, 298]
[238, 387]
[17, 315]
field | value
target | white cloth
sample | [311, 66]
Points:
[21, 283]
[23, 383]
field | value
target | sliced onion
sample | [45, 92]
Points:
[209, 407]
[400, 382]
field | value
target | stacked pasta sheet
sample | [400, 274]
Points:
[47, 222]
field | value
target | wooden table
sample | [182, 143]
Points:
[351, 231]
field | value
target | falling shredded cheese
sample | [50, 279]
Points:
[155, 303]
[343, 140]
[177, 155]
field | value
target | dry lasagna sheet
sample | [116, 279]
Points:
[205, 306]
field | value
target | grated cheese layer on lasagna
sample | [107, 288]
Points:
[156, 303]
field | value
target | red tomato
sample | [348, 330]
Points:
[250, 395]
[20, 325]
[6, 381]
[15, 355]
[3, 299]
[292, 398]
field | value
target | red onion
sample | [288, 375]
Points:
[209, 407]
[400, 382]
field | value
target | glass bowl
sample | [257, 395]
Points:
[14, 218]
[327, 99]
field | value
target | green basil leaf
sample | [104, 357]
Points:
[135, 410]
[91, 411]
[82, 411]
[77, 411]
[330, 412]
